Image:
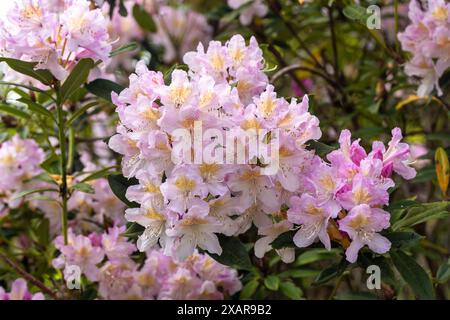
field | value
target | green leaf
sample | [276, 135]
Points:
[14, 112]
[134, 230]
[51, 164]
[76, 79]
[98, 174]
[272, 282]
[84, 187]
[28, 192]
[168, 72]
[143, 18]
[313, 255]
[424, 175]
[122, 9]
[403, 239]
[233, 254]
[413, 274]
[249, 289]
[284, 240]
[119, 185]
[37, 108]
[321, 149]
[27, 68]
[401, 204]
[331, 272]
[299, 273]
[357, 296]
[103, 88]
[79, 112]
[290, 290]
[43, 231]
[443, 273]
[355, 12]
[421, 213]
[123, 49]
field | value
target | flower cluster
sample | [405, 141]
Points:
[427, 38]
[55, 35]
[105, 258]
[250, 8]
[19, 291]
[20, 161]
[353, 186]
[184, 205]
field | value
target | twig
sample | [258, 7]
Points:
[28, 276]
[297, 66]
[334, 43]
[336, 286]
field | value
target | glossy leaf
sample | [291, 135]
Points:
[413, 274]
[76, 79]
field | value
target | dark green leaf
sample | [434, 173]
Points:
[27, 68]
[43, 231]
[51, 164]
[79, 112]
[84, 187]
[119, 185]
[37, 108]
[103, 88]
[421, 213]
[403, 239]
[122, 9]
[413, 274]
[299, 273]
[98, 174]
[234, 254]
[134, 230]
[357, 296]
[443, 273]
[123, 49]
[28, 192]
[321, 149]
[14, 111]
[331, 272]
[76, 79]
[143, 18]
[284, 240]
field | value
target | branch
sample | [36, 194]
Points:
[28, 276]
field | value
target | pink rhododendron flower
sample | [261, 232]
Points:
[55, 37]
[80, 252]
[313, 218]
[19, 291]
[427, 39]
[362, 224]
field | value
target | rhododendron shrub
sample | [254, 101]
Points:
[249, 149]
